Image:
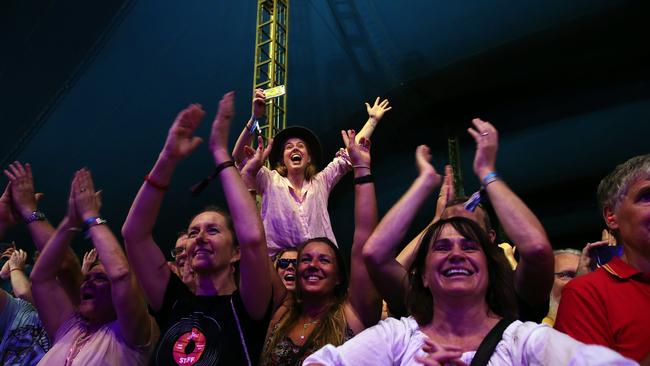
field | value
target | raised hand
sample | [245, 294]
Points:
[87, 202]
[8, 214]
[255, 160]
[423, 163]
[181, 141]
[439, 355]
[487, 144]
[447, 191]
[221, 127]
[17, 260]
[23, 196]
[259, 103]
[90, 257]
[377, 110]
[359, 151]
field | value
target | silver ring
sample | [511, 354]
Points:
[484, 133]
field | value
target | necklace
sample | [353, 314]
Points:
[305, 326]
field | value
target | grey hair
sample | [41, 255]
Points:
[615, 185]
[567, 251]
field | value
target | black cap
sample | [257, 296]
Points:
[303, 133]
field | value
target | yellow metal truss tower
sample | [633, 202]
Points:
[271, 40]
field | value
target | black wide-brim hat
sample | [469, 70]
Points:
[303, 133]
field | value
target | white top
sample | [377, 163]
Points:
[397, 342]
[290, 220]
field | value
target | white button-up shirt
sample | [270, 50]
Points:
[290, 220]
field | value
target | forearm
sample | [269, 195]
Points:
[364, 297]
[365, 211]
[383, 243]
[242, 207]
[41, 232]
[21, 285]
[518, 221]
[368, 129]
[144, 211]
[245, 138]
[109, 252]
[53, 254]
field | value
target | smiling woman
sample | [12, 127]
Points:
[294, 192]
[222, 320]
[461, 298]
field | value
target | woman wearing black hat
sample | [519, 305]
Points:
[294, 193]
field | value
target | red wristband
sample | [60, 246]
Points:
[154, 184]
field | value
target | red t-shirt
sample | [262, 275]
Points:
[609, 307]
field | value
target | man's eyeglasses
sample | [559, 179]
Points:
[285, 262]
[177, 251]
[565, 275]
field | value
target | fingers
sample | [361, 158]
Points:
[190, 117]
[423, 153]
[227, 106]
[267, 151]
[346, 138]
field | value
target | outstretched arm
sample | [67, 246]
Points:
[52, 302]
[363, 297]
[146, 258]
[388, 275]
[407, 255]
[246, 136]
[129, 304]
[534, 273]
[375, 114]
[24, 201]
[254, 279]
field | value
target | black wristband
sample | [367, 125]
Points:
[363, 180]
[224, 165]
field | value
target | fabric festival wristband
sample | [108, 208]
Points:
[491, 177]
[365, 179]
[154, 184]
[224, 165]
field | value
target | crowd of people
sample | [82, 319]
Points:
[268, 285]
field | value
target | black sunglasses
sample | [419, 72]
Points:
[285, 262]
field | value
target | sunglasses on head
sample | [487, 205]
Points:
[285, 262]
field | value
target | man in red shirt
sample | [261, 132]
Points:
[611, 306]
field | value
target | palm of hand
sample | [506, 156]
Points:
[359, 155]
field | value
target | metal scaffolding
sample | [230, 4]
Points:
[271, 40]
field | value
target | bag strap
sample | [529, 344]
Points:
[241, 333]
[489, 343]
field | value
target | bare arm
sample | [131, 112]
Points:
[375, 114]
[19, 282]
[128, 302]
[534, 273]
[363, 297]
[246, 137]
[254, 281]
[147, 260]
[24, 200]
[52, 301]
[407, 255]
[389, 276]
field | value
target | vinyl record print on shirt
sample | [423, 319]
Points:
[192, 341]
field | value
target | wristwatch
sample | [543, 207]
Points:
[35, 216]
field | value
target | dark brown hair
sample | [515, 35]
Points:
[500, 295]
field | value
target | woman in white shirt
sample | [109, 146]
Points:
[461, 289]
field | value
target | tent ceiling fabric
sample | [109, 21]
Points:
[98, 85]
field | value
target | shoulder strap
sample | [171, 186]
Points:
[489, 343]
